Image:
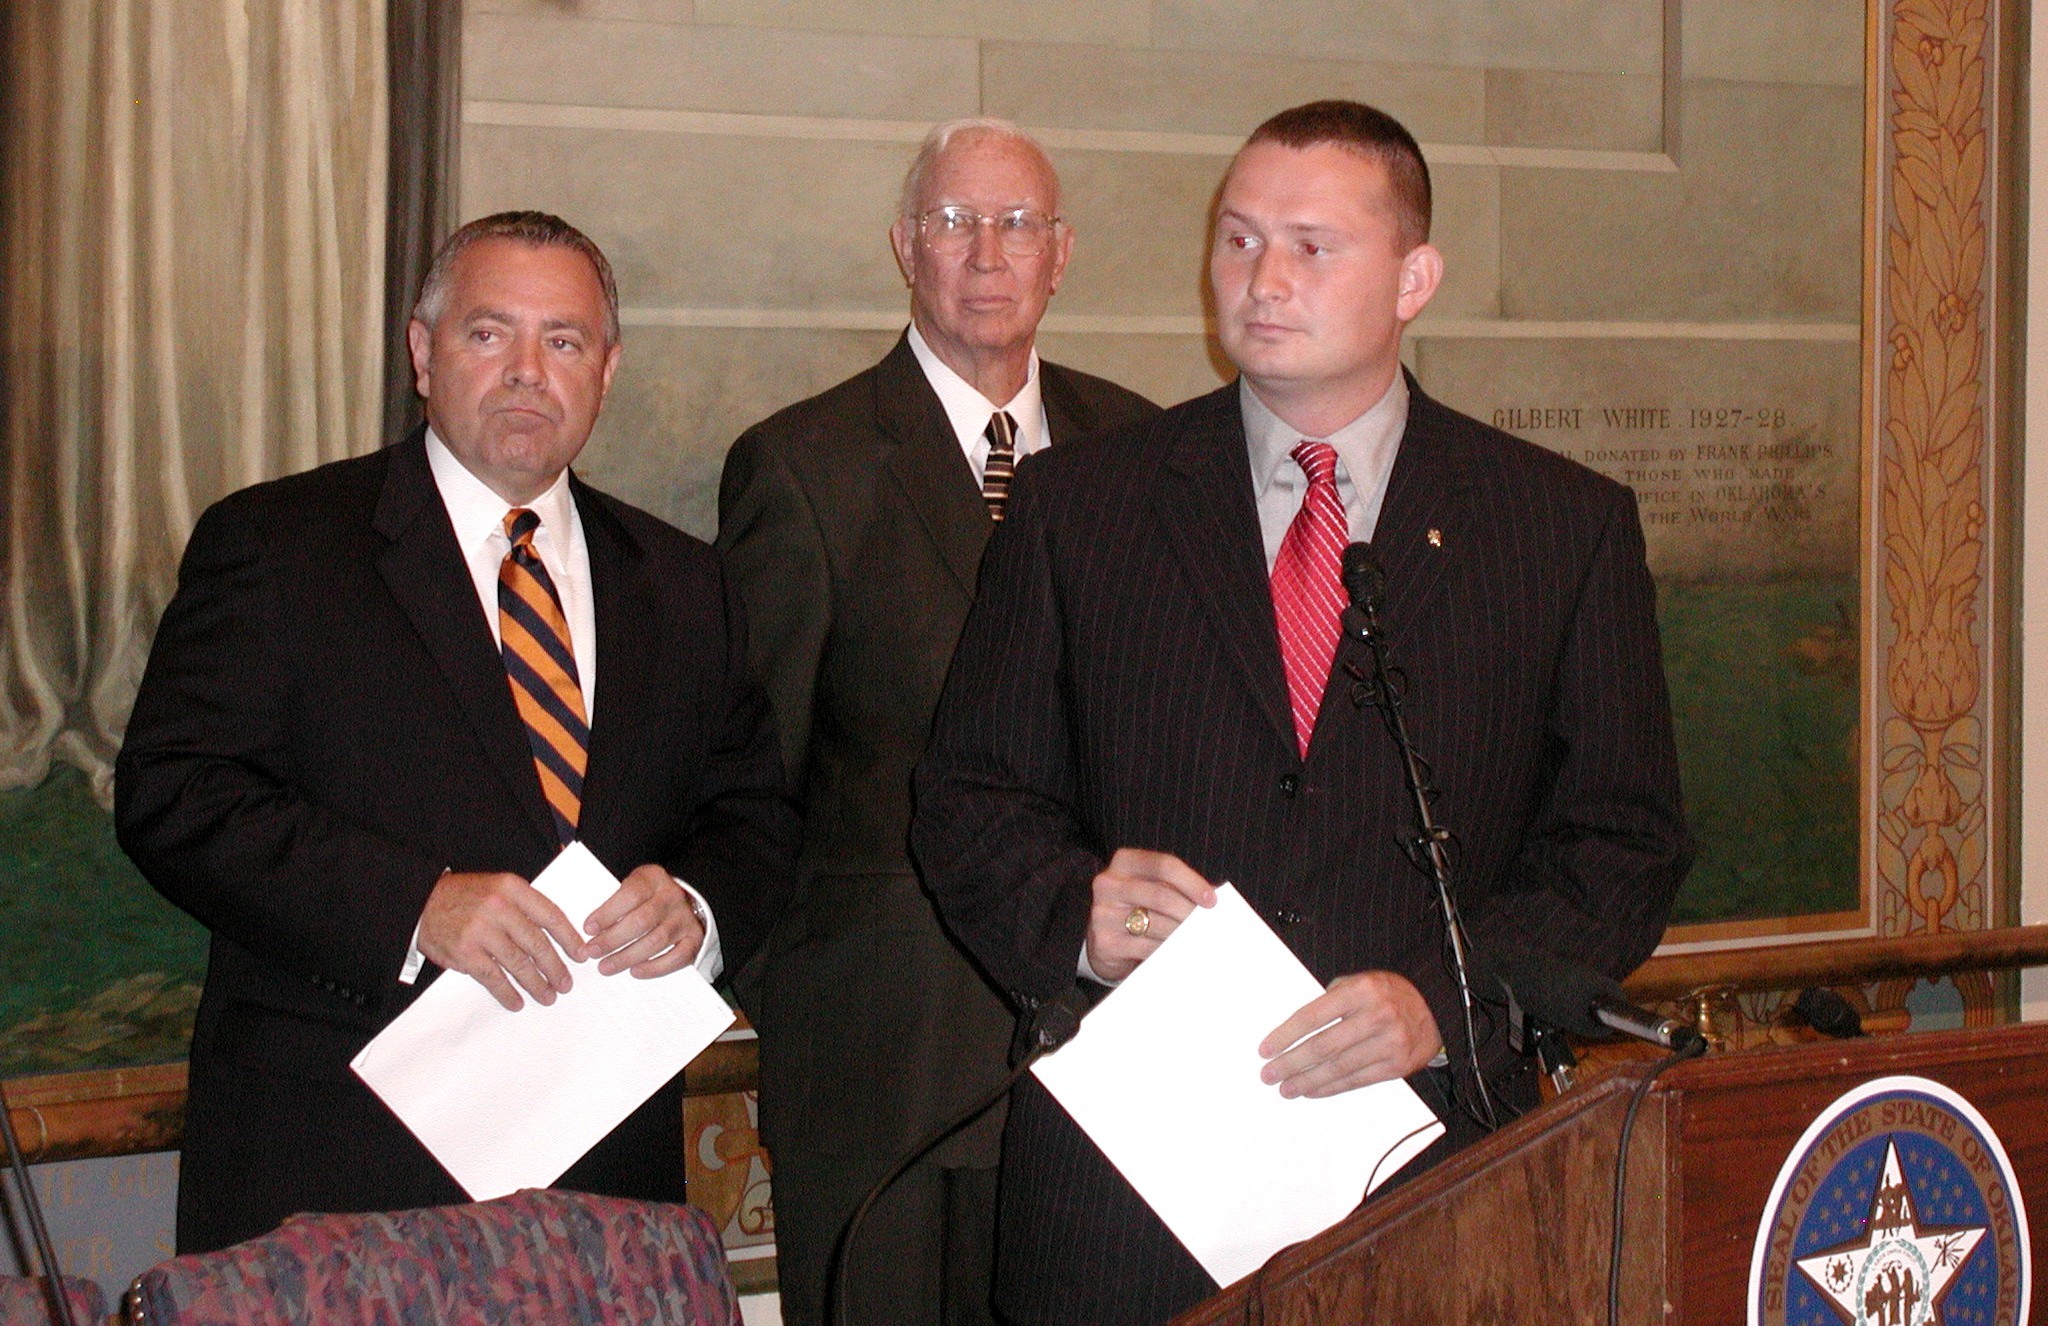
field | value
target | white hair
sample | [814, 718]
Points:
[941, 137]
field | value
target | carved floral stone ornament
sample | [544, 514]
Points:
[1898, 1207]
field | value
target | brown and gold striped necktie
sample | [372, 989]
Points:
[1002, 462]
[541, 665]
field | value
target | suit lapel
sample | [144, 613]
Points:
[1205, 506]
[1067, 416]
[927, 465]
[426, 573]
[1430, 470]
[626, 659]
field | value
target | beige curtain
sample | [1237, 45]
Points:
[193, 218]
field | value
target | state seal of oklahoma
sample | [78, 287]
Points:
[1897, 1208]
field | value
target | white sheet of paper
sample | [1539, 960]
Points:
[1164, 1076]
[510, 1100]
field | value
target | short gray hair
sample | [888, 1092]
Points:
[941, 137]
[539, 230]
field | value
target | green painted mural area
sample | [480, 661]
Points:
[101, 972]
[1763, 691]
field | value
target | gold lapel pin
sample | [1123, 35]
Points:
[1436, 538]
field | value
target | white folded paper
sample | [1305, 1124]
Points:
[510, 1100]
[1164, 1076]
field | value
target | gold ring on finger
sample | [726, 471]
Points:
[1138, 922]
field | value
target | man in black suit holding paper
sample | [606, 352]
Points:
[1152, 695]
[387, 693]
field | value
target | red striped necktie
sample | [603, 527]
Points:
[541, 666]
[1308, 590]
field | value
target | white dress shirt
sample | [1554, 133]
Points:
[478, 515]
[968, 410]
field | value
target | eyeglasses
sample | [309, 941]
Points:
[1023, 232]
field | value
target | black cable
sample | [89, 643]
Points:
[1372, 1180]
[53, 1275]
[1053, 1024]
[1691, 1050]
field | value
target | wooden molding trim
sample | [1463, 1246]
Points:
[126, 1111]
[109, 1112]
[1839, 962]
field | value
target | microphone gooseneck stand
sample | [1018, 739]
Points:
[1365, 583]
[1049, 1024]
[46, 1252]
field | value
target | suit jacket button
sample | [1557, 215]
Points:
[1289, 784]
[1287, 916]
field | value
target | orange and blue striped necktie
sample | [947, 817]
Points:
[541, 665]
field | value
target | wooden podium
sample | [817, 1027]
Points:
[1517, 1228]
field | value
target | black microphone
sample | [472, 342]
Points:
[1364, 581]
[1577, 999]
[1052, 1024]
[1366, 584]
[1828, 1013]
[1633, 1020]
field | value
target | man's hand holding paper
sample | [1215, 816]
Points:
[1369, 1026]
[503, 932]
[1138, 899]
[511, 1102]
[1366, 1027]
[1167, 1068]
[509, 936]
[647, 927]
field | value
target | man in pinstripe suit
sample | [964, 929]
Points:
[1150, 696]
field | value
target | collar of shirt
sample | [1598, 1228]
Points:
[968, 410]
[478, 515]
[1366, 448]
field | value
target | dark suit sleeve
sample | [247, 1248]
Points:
[205, 800]
[775, 553]
[1008, 864]
[1603, 856]
[739, 843]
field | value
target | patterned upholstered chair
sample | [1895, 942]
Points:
[536, 1256]
[25, 1302]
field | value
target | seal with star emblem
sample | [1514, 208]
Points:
[1898, 1207]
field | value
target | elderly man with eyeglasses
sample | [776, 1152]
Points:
[853, 523]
